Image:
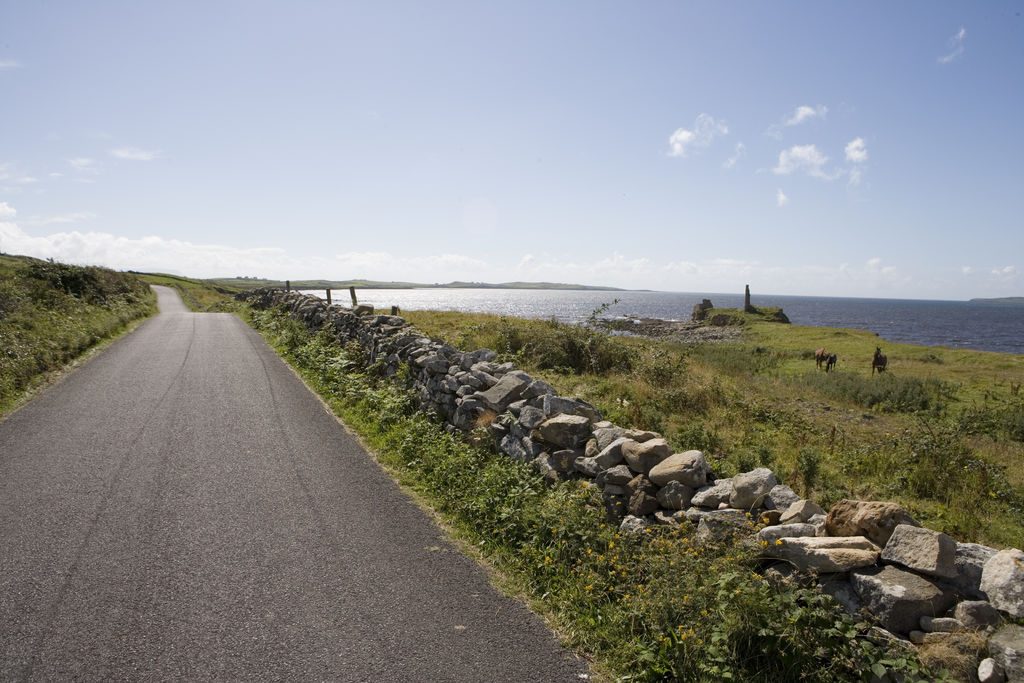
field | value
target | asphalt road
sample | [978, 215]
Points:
[182, 507]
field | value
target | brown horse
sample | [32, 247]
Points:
[879, 361]
[820, 356]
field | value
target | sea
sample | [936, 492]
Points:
[954, 324]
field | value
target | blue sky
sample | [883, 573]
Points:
[834, 149]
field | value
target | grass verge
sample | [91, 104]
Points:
[52, 313]
[651, 607]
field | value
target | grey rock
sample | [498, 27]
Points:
[1006, 646]
[617, 490]
[612, 453]
[513, 447]
[969, 563]
[587, 467]
[977, 614]
[559, 405]
[694, 514]
[666, 518]
[530, 418]
[689, 468]
[780, 497]
[1003, 581]
[749, 489]
[620, 475]
[824, 555]
[989, 671]
[640, 435]
[642, 456]
[632, 524]
[675, 496]
[770, 534]
[642, 503]
[538, 387]
[507, 390]
[800, 511]
[563, 460]
[941, 625]
[591, 449]
[567, 431]
[899, 598]
[712, 496]
[722, 524]
[838, 586]
[923, 550]
[605, 435]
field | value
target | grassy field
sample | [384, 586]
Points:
[942, 431]
[51, 313]
[198, 295]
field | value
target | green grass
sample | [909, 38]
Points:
[52, 313]
[198, 295]
[648, 608]
[940, 432]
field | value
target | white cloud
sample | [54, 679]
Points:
[1006, 272]
[83, 164]
[956, 47]
[9, 64]
[807, 158]
[135, 153]
[705, 129]
[60, 219]
[780, 198]
[966, 270]
[806, 113]
[737, 154]
[7, 211]
[856, 151]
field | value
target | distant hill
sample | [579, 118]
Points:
[254, 283]
[1001, 300]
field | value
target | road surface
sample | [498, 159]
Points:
[182, 507]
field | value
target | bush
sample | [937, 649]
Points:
[886, 392]
[564, 347]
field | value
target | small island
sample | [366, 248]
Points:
[1018, 300]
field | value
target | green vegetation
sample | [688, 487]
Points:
[644, 608]
[50, 313]
[942, 432]
[198, 295]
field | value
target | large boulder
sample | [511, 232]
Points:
[689, 468]
[923, 550]
[567, 431]
[620, 475]
[605, 435]
[750, 489]
[1007, 648]
[874, 519]
[899, 598]
[642, 456]
[770, 534]
[969, 563]
[1003, 581]
[508, 390]
[824, 555]
[714, 495]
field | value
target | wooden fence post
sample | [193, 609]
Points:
[328, 296]
[394, 310]
[287, 285]
[352, 293]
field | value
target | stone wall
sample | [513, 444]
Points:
[920, 585]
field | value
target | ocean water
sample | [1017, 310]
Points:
[956, 324]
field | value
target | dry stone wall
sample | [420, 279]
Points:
[919, 584]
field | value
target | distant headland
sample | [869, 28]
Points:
[254, 283]
[1001, 300]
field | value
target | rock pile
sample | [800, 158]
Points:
[919, 584]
